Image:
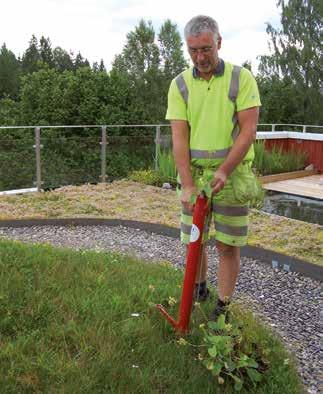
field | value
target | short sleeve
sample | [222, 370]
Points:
[248, 95]
[176, 109]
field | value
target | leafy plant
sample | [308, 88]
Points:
[166, 164]
[225, 357]
[149, 177]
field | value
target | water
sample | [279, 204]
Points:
[295, 207]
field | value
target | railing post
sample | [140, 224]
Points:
[103, 143]
[304, 128]
[157, 146]
[273, 127]
[37, 147]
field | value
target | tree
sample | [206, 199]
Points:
[139, 64]
[170, 45]
[140, 54]
[149, 68]
[41, 98]
[102, 66]
[9, 73]
[79, 62]
[69, 97]
[31, 57]
[95, 66]
[62, 60]
[45, 51]
[9, 114]
[297, 58]
[279, 101]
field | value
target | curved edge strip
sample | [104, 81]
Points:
[269, 257]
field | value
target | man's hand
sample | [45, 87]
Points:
[186, 194]
[219, 180]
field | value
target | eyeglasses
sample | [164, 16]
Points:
[203, 51]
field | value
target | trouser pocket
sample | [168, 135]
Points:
[245, 185]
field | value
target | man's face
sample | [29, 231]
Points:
[204, 52]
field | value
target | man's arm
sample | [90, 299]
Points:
[247, 120]
[181, 151]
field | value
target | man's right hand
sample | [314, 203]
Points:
[186, 194]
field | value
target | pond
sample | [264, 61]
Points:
[294, 207]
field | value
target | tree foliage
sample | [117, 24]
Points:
[9, 73]
[140, 55]
[294, 68]
[171, 53]
[40, 55]
[149, 64]
[50, 85]
[31, 57]
[62, 60]
[45, 51]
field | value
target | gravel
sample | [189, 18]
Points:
[288, 302]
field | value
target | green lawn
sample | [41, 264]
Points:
[66, 325]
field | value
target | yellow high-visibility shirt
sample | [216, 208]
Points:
[209, 110]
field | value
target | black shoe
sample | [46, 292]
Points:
[220, 309]
[201, 294]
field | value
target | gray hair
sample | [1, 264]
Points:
[201, 24]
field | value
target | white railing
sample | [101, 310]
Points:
[273, 126]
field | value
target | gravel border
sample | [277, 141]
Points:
[274, 259]
[287, 301]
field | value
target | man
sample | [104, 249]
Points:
[213, 108]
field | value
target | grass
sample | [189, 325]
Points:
[276, 161]
[66, 325]
[166, 164]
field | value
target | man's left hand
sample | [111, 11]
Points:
[219, 180]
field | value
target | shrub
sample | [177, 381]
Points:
[149, 177]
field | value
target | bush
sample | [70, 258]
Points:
[150, 177]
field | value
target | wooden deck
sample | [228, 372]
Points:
[308, 186]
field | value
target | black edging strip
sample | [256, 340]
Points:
[271, 258]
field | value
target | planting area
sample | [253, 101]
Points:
[136, 201]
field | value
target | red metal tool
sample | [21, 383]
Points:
[201, 210]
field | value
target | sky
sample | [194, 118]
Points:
[98, 28]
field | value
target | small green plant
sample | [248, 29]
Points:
[166, 165]
[148, 177]
[226, 358]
